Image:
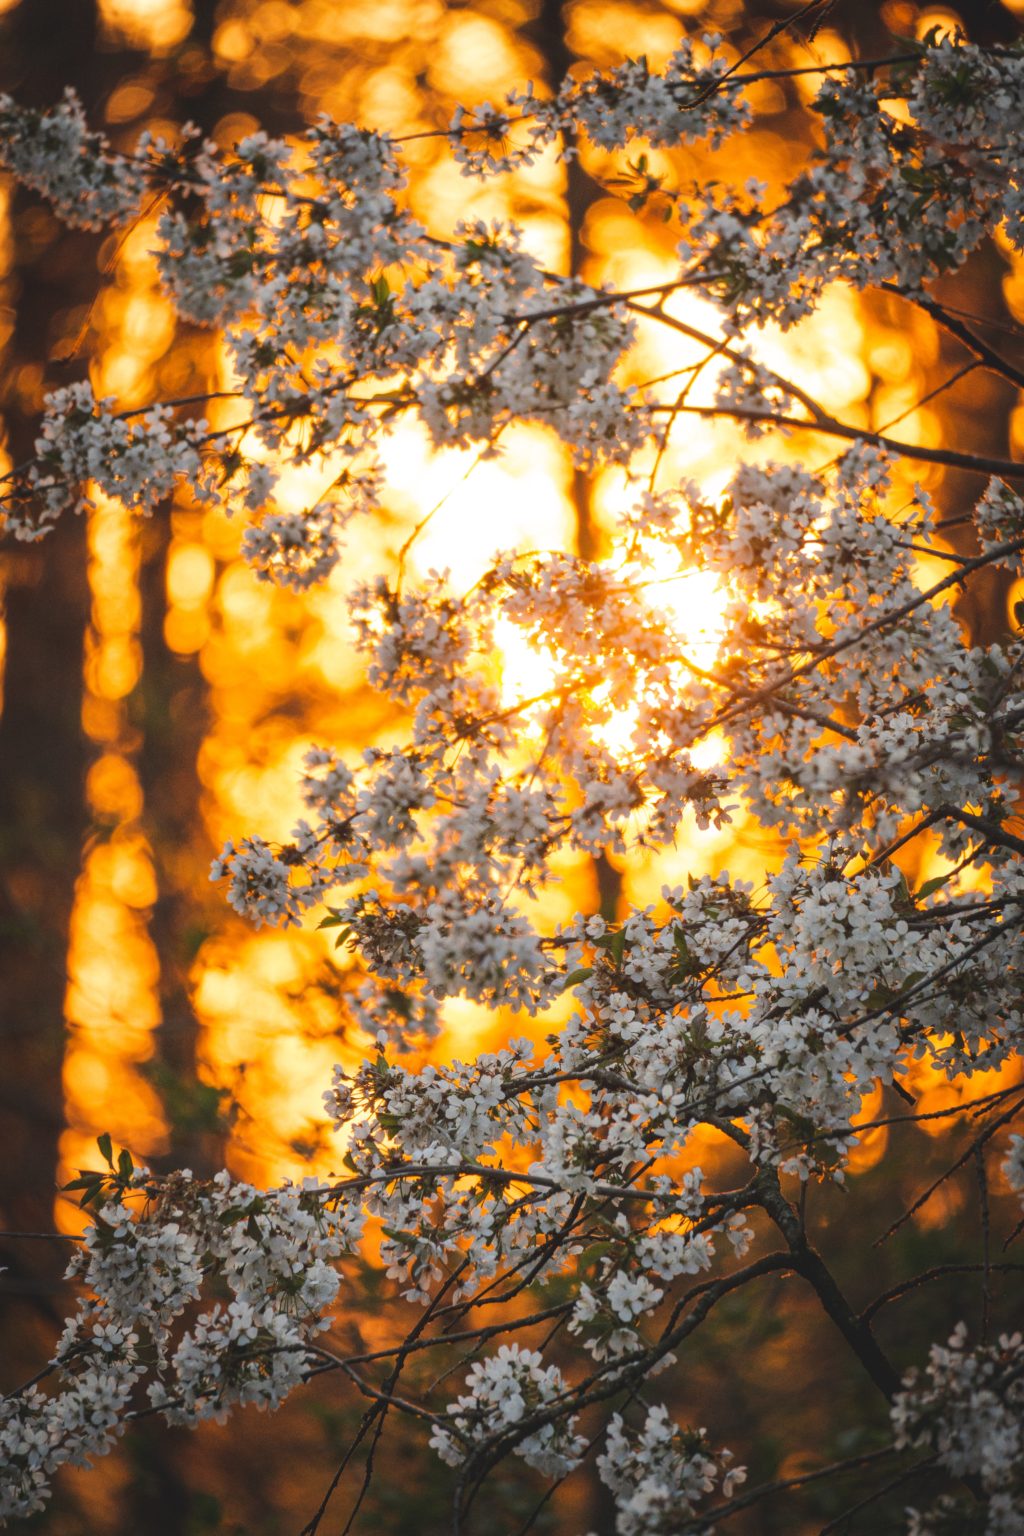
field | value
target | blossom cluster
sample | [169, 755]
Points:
[290, 255]
[501, 1393]
[660, 1473]
[74, 168]
[969, 1410]
[142, 1337]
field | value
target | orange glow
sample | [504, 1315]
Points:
[154, 25]
[871, 1145]
[692, 603]
[519, 500]
[112, 1004]
[112, 788]
[129, 101]
[280, 670]
[191, 572]
[939, 17]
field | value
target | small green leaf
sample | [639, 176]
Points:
[125, 1166]
[334, 921]
[406, 1239]
[92, 1186]
[931, 886]
[106, 1148]
[575, 977]
[231, 1214]
[594, 1253]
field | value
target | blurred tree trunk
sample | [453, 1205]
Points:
[548, 32]
[44, 46]
[171, 712]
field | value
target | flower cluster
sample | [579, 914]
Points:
[1013, 1165]
[660, 1473]
[56, 154]
[511, 1387]
[137, 459]
[143, 1338]
[969, 1410]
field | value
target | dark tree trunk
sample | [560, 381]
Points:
[44, 46]
[548, 33]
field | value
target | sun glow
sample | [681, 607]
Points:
[279, 671]
[688, 605]
[155, 25]
[112, 1006]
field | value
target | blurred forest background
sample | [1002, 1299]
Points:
[156, 699]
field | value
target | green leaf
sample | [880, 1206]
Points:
[931, 886]
[575, 977]
[617, 946]
[334, 921]
[87, 1181]
[231, 1214]
[92, 1185]
[125, 1166]
[106, 1148]
[594, 1253]
[406, 1239]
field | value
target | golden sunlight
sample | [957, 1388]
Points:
[112, 1004]
[280, 672]
[154, 25]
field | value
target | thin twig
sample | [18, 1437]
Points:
[926, 1195]
[784, 1484]
[925, 1278]
[879, 1493]
[979, 464]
